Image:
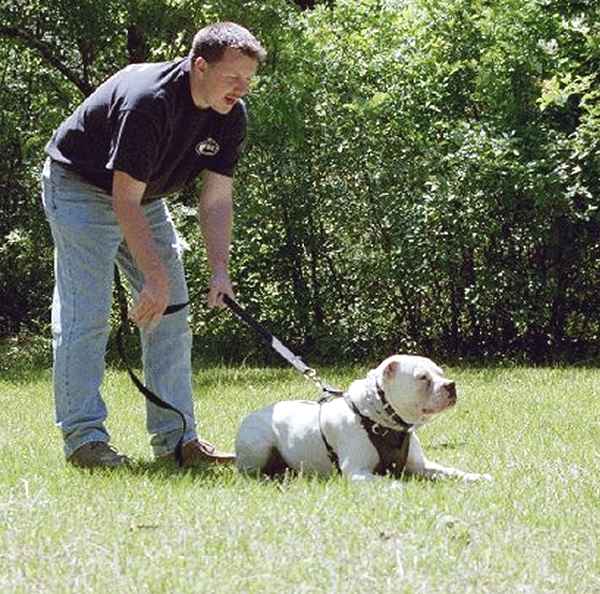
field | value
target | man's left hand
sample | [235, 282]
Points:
[220, 284]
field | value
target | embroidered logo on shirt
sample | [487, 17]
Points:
[208, 148]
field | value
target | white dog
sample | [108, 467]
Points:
[369, 431]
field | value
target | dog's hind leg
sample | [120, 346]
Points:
[275, 464]
[265, 462]
[255, 446]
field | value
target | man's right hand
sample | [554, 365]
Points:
[152, 302]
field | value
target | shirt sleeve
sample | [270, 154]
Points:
[134, 145]
[233, 144]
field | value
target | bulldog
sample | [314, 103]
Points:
[367, 432]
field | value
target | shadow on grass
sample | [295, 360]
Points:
[159, 469]
[209, 474]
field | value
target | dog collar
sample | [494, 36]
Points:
[401, 426]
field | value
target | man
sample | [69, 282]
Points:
[143, 134]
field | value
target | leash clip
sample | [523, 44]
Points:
[323, 387]
[312, 375]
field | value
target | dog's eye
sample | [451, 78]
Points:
[423, 377]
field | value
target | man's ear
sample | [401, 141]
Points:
[199, 64]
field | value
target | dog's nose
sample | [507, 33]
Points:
[451, 389]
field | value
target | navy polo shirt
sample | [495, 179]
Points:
[143, 121]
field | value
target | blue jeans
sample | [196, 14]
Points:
[88, 241]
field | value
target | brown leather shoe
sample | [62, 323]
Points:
[98, 454]
[200, 453]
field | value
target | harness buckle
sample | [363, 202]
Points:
[379, 430]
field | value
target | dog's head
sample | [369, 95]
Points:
[415, 387]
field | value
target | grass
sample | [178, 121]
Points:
[153, 529]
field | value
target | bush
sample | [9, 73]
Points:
[420, 176]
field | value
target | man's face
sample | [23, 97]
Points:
[220, 84]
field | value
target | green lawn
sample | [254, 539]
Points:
[534, 529]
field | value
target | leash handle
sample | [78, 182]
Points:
[279, 347]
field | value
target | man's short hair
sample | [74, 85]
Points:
[211, 42]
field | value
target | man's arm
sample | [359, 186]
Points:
[154, 297]
[215, 211]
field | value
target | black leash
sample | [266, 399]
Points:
[149, 394]
[280, 348]
[327, 391]
[237, 309]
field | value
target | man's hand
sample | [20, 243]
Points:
[220, 284]
[152, 302]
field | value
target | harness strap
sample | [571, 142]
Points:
[333, 457]
[149, 394]
[393, 452]
[391, 444]
[328, 397]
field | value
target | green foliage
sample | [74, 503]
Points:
[420, 175]
[432, 204]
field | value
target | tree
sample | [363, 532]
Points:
[419, 176]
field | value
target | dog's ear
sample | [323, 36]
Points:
[390, 370]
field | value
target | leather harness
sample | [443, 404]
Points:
[391, 444]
